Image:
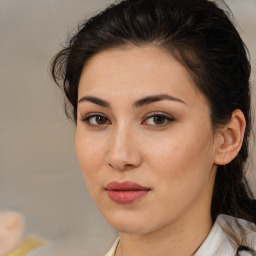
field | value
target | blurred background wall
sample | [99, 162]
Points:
[39, 173]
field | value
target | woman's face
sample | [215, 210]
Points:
[141, 120]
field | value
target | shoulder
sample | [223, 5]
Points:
[230, 236]
[241, 234]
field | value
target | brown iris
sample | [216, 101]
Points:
[159, 119]
[101, 120]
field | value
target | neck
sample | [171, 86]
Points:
[179, 238]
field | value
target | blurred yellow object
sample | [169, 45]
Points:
[30, 243]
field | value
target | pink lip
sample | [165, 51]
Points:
[125, 192]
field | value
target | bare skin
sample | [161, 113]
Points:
[11, 231]
[166, 144]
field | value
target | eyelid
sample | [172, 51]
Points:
[168, 117]
[87, 118]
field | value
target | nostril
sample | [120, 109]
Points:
[122, 160]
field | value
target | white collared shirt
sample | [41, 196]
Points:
[217, 243]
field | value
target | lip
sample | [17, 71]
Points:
[126, 185]
[125, 192]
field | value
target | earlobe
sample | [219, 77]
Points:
[230, 138]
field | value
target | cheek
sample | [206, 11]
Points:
[184, 157]
[89, 154]
[181, 172]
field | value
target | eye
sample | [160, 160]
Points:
[158, 120]
[96, 120]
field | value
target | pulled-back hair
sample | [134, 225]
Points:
[202, 37]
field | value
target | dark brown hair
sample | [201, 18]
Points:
[202, 37]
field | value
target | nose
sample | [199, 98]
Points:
[124, 150]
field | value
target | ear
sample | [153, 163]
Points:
[230, 138]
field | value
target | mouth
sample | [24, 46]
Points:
[125, 192]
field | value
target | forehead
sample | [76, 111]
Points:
[135, 70]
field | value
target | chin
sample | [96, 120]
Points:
[130, 223]
[130, 228]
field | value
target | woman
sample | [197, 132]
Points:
[159, 91]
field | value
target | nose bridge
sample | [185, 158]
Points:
[121, 134]
[123, 148]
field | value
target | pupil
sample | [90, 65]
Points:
[159, 119]
[100, 119]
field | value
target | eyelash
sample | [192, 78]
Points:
[167, 118]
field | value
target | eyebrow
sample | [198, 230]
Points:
[139, 103]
